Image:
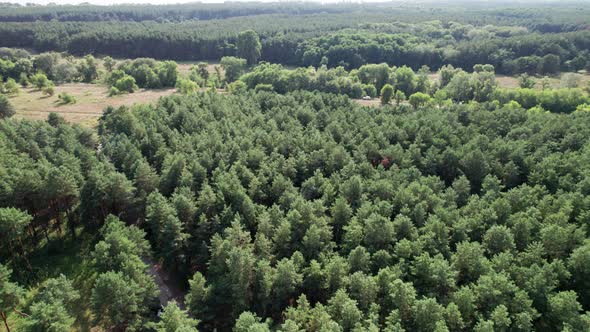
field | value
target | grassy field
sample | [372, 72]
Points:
[91, 100]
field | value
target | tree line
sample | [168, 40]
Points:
[403, 84]
[337, 38]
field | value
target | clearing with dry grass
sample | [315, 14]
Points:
[91, 100]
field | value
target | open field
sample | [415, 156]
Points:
[92, 99]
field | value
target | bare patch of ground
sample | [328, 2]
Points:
[373, 102]
[167, 283]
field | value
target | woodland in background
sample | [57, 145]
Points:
[514, 38]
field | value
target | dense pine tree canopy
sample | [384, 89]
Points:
[308, 211]
[351, 167]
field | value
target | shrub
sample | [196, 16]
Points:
[114, 76]
[399, 97]
[39, 81]
[186, 86]
[237, 87]
[419, 99]
[55, 119]
[233, 67]
[526, 82]
[386, 94]
[11, 86]
[49, 89]
[126, 84]
[66, 98]
[356, 91]
[113, 91]
[369, 90]
[23, 80]
[6, 108]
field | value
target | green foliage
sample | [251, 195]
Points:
[109, 63]
[46, 63]
[198, 295]
[186, 86]
[146, 72]
[113, 91]
[565, 311]
[50, 317]
[369, 90]
[202, 70]
[6, 108]
[10, 293]
[373, 74]
[48, 90]
[167, 73]
[88, 69]
[13, 225]
[405, 80]
[66, 98]
[419, 99]
[11, 87]
[166, 228]
[174, 319]
[387, 93]
[237, 87]
[23, 80]
[53, 306]
[39, 81]
[554, 100]
[233, 67]
[399, 97]
[526, 82]
[123, 293]
[301, 211]
[124, 84]
[263, 87]
[248, 46]
[312, 34]
[115, 300]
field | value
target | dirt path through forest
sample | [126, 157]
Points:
[168, 285]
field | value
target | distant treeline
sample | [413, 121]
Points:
[542, 16]
[315, 40]
[176, 12]
[514, 39]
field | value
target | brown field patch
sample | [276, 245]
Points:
[92, 99]
[373, 102]
[184, 67]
